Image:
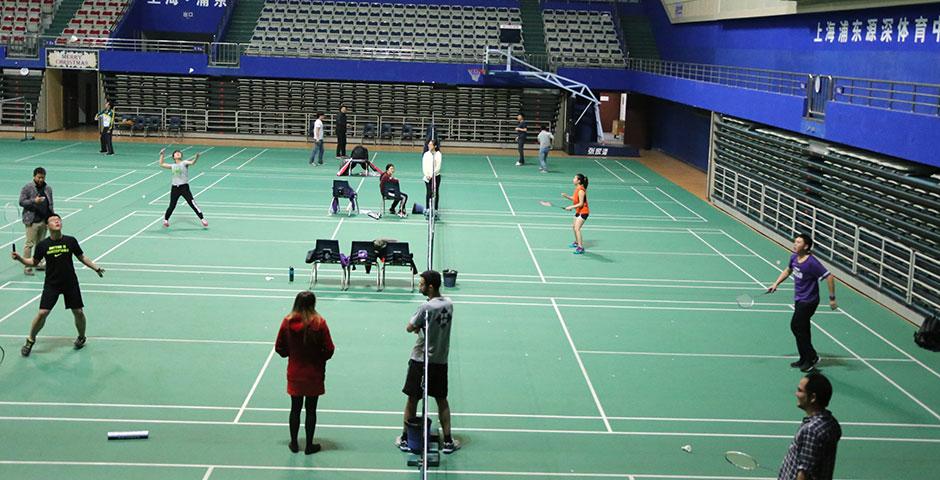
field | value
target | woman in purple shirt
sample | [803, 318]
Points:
[807, 271]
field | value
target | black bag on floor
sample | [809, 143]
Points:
[929, 334]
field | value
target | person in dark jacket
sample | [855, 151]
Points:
[36, 200]
[341, 133]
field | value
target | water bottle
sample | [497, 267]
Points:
[290, 274]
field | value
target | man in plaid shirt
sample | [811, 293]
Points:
[812, 455]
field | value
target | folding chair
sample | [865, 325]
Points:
[389, 195]
[342, 189]
[327, 251]
[398, 254]
[363, 254]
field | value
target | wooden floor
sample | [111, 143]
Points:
[686, 176]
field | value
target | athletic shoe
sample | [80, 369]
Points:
[166, 223]
[579, 251]
[543, 170]
[80, 343]
[810, 366]
[28, 347]
[28, 272]
[391, 210]
[312, 448]
[401, 214]
[400, 442]
[42, 266]
[574, 245]
[450, 447]
[205, 223]
[796, 364]
[519, 164]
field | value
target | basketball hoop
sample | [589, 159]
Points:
[475, 73]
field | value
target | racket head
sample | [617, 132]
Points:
[745, 300]
[741, 460]
[11, 214]
[545, 203]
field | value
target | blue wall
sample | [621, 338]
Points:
[788, 43]
[680, 131]
[187, 16]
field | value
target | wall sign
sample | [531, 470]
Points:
[72, 59]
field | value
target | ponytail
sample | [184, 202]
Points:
[582, 179]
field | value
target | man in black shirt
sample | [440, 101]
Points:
[58, 250]
[341, 133]
[522, 132]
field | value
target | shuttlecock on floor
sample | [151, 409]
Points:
[687, 448]
[269, 278]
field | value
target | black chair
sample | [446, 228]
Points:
[363, 254]
[327, 251]
[390, 193]
[408, 132]
[386, 132]
[398, 254]
[175, 126]
[368, 131]
[342, 189]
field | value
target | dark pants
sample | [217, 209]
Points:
[429, 193]
[801, 328]
[521, 146]
[397, 197]
[341, 144]
[310, 425]
[177, 191]
[106, 146]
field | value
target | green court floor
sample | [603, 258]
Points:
[562, 366]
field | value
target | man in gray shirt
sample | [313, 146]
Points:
[437, 313]
[36, 200]
[545, 145]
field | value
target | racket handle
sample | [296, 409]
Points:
[14, 246]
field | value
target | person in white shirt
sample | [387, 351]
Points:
[105, 119]
[545, 146]
[431, 166]
[317, 140]
[180, 185]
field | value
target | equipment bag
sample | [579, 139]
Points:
[929, 334]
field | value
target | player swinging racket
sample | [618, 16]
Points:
[58, 250]
[807, 271]
[180, 185]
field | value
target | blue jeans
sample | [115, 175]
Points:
[543, 158]
[317, 152]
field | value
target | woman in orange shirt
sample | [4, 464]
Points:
[579, 203]
[304, 339]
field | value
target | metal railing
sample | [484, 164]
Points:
[16, 111]
[920, 98]
[390, 129]
[901, 272]
[774, 81]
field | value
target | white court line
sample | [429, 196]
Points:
[155, 200]
[24, 305]
[128, 187]
[396, 413]
[609, 170]
[250, 159]
[77, 195]
[577, 356]
[208, 473]
[513, 212]
[844, 346]
[531, 253]
[336, 230]
[211, 185]
[641, 252]
[674, 199]
[159, 340]
[228, 158]
[254, 386]
[99, 232]
[862, 324]
[45, 152]
[758, 282]
[735, 355]
[641, 177]
[653, 203]
[122, 242]
[491, 166]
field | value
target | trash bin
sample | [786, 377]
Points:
[415, 435]
[450, 278]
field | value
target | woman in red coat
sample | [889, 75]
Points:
[304, 339]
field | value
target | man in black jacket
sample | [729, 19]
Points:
[341, 133]
[36, 200]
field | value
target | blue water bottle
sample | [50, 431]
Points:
[290, 274]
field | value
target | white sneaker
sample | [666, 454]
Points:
[205, 223]
[166, 223]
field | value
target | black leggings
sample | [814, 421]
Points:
[311, 422]
[429, 194]
[802, 329]
[177, 191]
[398, 197]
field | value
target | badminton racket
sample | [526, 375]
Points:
[11, 215]
[546, 203]
[746, 300]
[741, 460]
